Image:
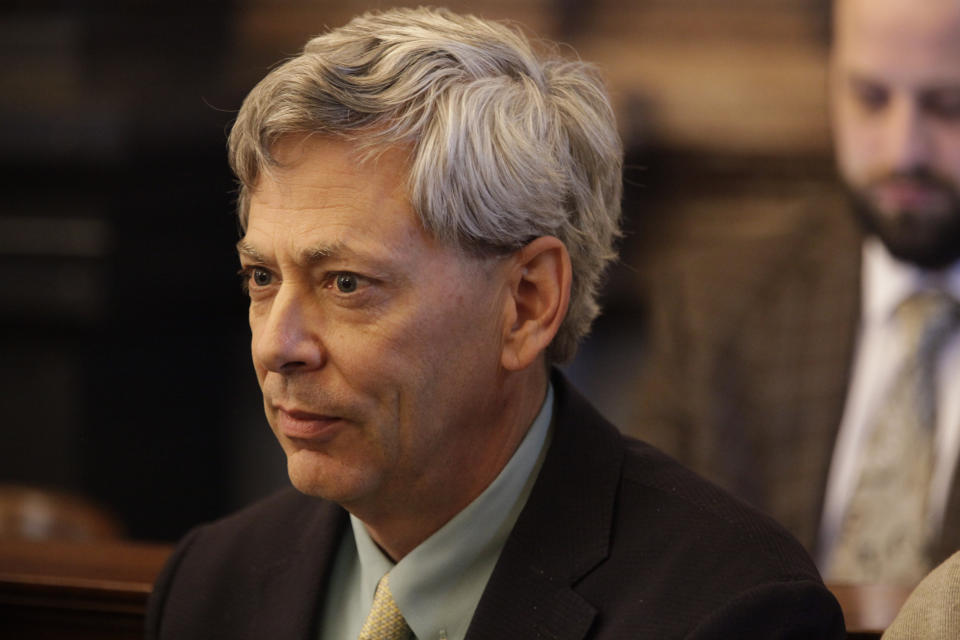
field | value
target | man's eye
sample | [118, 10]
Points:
[260, 277]
[869, 96]
[944, 104]
[254, 277]
[347, 282]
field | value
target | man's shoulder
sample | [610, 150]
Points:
[774, 236]
[691, 547]
[701, 519]
[276, 521]
[658, 551]
[711, 280]
[659, 498]
[270, 555]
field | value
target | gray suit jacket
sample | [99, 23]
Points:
[752, 343]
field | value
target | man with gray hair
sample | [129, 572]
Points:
[428, 207]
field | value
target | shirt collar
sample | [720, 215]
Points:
[438, 585]
[889, 281]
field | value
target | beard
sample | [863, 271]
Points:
[928, 239]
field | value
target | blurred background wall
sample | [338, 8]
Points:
[124, 368]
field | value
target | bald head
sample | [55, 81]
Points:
[895, 108]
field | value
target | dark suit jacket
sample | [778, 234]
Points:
[616, 541]
[752, 344]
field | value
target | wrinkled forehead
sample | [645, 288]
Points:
[284, 158]
[909, 41]
[325, 192]
[309, 169]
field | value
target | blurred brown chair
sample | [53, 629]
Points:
[65, 571]
[30, 513]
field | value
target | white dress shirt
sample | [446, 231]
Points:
[886, 282]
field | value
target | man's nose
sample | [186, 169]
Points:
[287, 338]
[908, 142]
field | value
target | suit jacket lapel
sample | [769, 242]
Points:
[562, 533]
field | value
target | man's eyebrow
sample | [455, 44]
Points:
[308, 256]
[314, 255]
[941, 88]
[861, 78]
[245, 249]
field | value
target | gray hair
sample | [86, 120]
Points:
[504, 146]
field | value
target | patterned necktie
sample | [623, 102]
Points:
[385, 622]
[885, 536]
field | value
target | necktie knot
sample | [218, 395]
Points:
[385, 621]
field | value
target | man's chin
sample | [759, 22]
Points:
[316, 474]
[309, 472]
[927, 239]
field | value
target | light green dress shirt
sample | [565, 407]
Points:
[438, 585]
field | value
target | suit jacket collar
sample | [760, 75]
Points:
[562, 533]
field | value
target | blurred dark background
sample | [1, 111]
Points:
[124, 347]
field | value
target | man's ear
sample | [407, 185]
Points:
[540, 276]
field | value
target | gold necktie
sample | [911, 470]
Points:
[385, 621]
[886, 533]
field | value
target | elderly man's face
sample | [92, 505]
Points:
[376, 347]
[896, 115]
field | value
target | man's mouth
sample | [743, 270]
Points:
[304, 425]
[909, 194]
